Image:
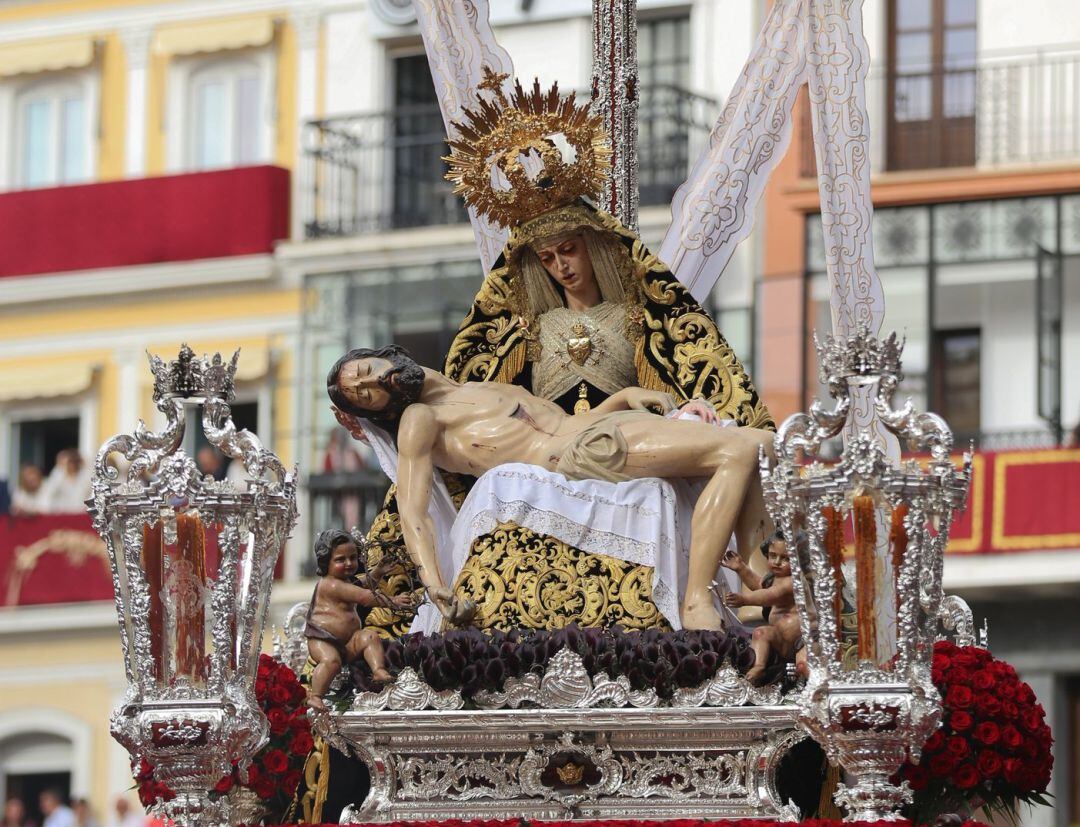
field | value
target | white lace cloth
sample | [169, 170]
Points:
[644, 521]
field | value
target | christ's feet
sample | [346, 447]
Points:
[701, 614]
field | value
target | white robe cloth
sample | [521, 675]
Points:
[644, 521]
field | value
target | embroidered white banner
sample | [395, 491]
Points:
[821, 43]
[459, 43]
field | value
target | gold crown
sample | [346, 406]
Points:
[515, 140]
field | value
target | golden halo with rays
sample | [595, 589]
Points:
[501, 133]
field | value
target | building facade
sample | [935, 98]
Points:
[269, 175]
[976, 185]
[146, 172]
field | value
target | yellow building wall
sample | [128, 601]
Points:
[37, 668]
[79, 672]
[59, 8]
[142, 316]
[286, 129]
[36, 678]
[89, 700]
[112, 67]
[113, 109]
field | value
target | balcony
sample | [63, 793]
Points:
[1000, 111]
[202, 215]
[1021, 497]
[384, 171]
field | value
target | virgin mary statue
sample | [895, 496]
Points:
[575, 309]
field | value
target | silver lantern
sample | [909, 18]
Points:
[870, 707]
[192, 564]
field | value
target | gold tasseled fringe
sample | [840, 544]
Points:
[648, 376]
[511, 364]
[827, 808]
[316, 782]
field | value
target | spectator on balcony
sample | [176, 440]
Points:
[15, 813]
[55, 812]
[68, 486]
[342, 458]
[30, 493]
[210, 461]
[237, 474]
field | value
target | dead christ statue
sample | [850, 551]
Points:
[473, 427]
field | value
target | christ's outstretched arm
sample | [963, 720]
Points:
[417, 433]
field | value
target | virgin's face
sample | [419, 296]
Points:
[567, 261]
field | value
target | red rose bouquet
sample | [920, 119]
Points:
[993, 747]
[276, 770]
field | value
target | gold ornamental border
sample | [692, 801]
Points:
[1026, 542]
[974, 543]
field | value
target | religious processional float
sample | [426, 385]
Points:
[591, 724]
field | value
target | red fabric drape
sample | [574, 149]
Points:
[230, 212]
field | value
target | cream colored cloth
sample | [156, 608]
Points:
[599, 452]
[610, 364]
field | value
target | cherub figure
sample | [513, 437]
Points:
[334, 629]
[774, 592]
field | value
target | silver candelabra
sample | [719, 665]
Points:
[192, 563]
[869, 702]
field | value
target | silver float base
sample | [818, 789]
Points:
[661, 763]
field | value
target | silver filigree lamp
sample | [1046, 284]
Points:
[192, 564]
[870, 706]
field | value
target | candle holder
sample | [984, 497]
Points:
[873, 711]
[192, 562]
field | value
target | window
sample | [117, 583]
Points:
[663, 49]
[956, 364]
[38, 441]
[950, 272]
[421, 196]
[245, 415]
[52, 134]
[666, 108]
[931, 83]
[419, 307]
[227, 123]
[32, 763]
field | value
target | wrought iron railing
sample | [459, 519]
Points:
[1009, 440]
[344, 500]
[384, 171]
[998, 111]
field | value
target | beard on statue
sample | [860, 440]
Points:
[375, 383]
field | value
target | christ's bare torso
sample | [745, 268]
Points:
[471, 428]
[483, 425]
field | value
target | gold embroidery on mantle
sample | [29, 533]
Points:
[520, 579]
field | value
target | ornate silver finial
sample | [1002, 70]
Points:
[859, 355]
[191, 377]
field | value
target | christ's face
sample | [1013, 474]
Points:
[368, 383]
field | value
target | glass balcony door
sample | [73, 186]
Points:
[931, 83]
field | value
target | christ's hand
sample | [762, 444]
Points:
[639, 399]
[350, 423]
[458, 612]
